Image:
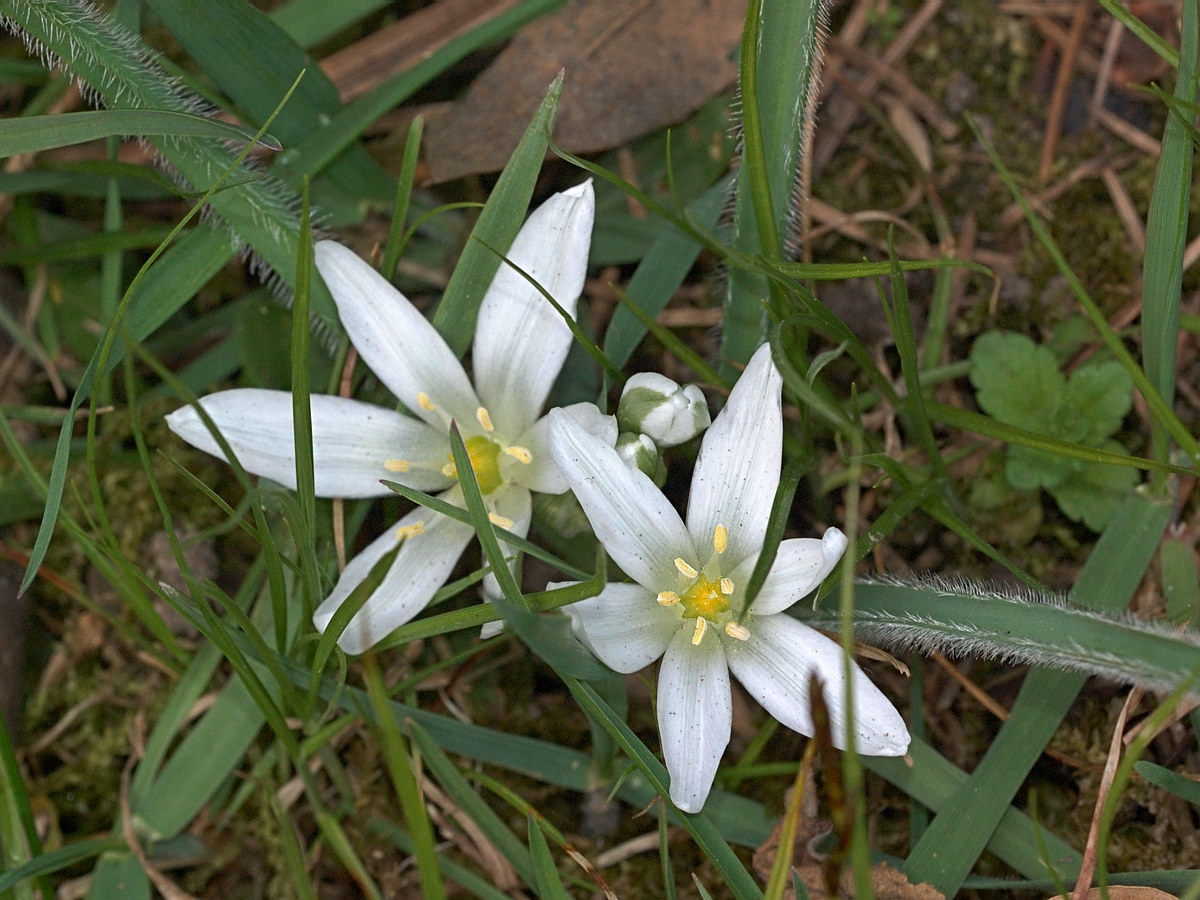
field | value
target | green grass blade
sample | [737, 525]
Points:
[958, 834]
[55, 860]
[31, 134]
[1167, 230]
[547, 881]
[18, 837]
[308, 22]
[394, 246]
[497, 226]
[1144, 32]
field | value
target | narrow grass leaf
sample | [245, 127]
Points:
[394, 245]
[31, 134]
[497, 226]
[1144, 32]
[18, 838]
[460, 875]
[547, 881]
[56, 860]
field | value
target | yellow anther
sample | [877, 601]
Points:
[737, 632]
[484, 419]
[520, 454]
[727, 586]
[720, 538]
[396, 465]
[698, 634]
[449, 470]
[684, 569]
[500, 521]
[424, 402]
[404, 532]
[667, 598]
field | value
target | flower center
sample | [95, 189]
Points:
[485, 461]
[704, 599]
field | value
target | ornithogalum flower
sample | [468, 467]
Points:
[688, 603]
[519, 347]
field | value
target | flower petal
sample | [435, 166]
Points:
[510, 501]
[520, 339]
[623, 625]
[542, 474]
[695, 715]
[395, 340]
[775, 663]
[352, 441]
[420, 568]
[737, 471]
[800, 565]
[633, 520]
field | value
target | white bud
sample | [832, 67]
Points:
[638, 452]
[660, 408]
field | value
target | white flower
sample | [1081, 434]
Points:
[661, 409]
[687, 604]
[519, 347]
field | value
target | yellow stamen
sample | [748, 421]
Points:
[449, 470]
[698, 634]
[404, 532]
[500, 520]
[684, 569]
[668, 598]
[720, 538]
[727, 586]
[484, 419]
[396, 465]
[520, 454]
[737, 632]
[424, 402]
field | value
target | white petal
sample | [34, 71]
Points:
[775, 664]
[624, 625]
[695, 714]
[352, 441]
[737, 471]
[520, 339]
[800, 565]
[394, 339]
[633, 520]
[420, 568]
[512, 502]
[542, 474]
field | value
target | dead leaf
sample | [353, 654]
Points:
[1124, 892]
[632, 67]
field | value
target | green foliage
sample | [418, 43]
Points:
[1020, 383]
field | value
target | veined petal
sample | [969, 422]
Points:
[695, 714]
[421, 567]
[737, 471]
[542, 473]
[520, 339]
[633, 520]
[624, 625]
[511, 501]
[775, 664]
[395, 340]
[352, 441]
[800, 565]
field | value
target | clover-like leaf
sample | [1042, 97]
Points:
[1016, 380]
[1096, 399]
[1092, 493]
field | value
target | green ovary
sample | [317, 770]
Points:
[485, 460]
[704, 598]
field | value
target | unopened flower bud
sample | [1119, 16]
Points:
[658, 407]
[638, 452]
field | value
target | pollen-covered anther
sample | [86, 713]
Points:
[404, 532]
[684, 569]
[500, 521]
[449, 470]
[737, 632]
[397, 465]
[520, 454]
[484, 418]
[720, 538]
[667, 598]
[726, 586]
[698, 634]
[424, 402]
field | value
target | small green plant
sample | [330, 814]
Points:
[1020, 383]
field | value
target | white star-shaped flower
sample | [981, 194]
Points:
[687, 605]
[519, 347]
